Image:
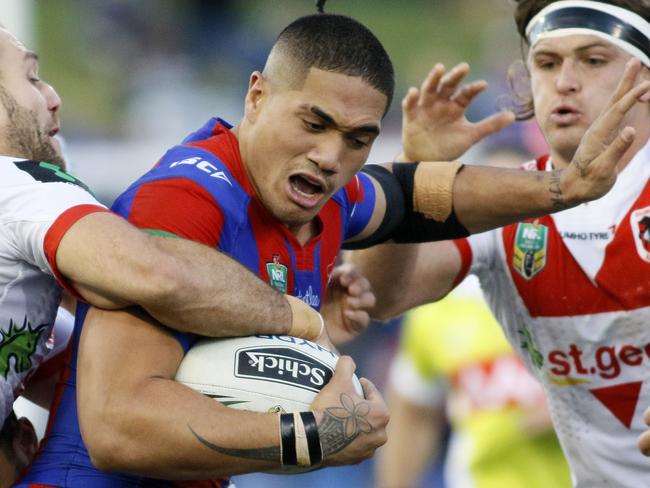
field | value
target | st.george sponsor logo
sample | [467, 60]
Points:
[282, 365]
[572, 366]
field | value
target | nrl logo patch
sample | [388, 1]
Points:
[282, 365]
[640, 224]
[529, 256]
[277, 274]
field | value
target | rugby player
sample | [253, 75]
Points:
[53, 232]
[280, 193]
[570, 290]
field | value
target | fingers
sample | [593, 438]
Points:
[357, 321]
[632, 69]
[345, 368]
[449, 82]
[467, 93]
[644, 439]
[370, 391]
[624, 98]
[410, 102]
[493, 123]
[618, 146]
[429, 87]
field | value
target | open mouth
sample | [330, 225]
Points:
[305, 185]
[306, 190]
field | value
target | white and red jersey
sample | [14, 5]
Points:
[572, 293]
[38, 204]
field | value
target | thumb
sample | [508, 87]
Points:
[342, 379]
[493, 123]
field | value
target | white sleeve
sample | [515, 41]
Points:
[29, 208]
[405, 379]
[483, 248]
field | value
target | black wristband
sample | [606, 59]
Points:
[313, 438]
[288, 440]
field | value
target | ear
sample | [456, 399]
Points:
[25, 442]
[255, 96]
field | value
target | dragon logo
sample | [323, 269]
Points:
[640, 223]
[17, 346]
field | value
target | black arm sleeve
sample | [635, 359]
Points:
[401, 223]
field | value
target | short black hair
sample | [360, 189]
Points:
[342, 45]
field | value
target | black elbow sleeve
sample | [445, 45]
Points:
[401, 223]
[415, 227]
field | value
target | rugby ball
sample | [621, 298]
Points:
[263, 373]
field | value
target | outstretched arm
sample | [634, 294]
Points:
[183, 284]
[135, 418]
[441, 201]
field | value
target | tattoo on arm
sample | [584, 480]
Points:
[341, 425]
[556, 192]
[262, 454]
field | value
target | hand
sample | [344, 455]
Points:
[644, 440]
[592, 171]
[434, 126]
[351, 428]
[346, 305]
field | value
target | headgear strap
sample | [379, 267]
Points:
[620, 26]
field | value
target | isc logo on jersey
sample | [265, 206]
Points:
[282, 365]
[203, 165]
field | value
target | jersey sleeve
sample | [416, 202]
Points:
[361, 199]
[187, 195]
[478, 253]
[38, 206]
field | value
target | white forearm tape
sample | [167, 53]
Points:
[306, 322]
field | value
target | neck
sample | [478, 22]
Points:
[561, 160]
[305, 232]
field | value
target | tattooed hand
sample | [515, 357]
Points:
[351, 428]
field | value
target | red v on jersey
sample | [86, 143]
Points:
[621, 400]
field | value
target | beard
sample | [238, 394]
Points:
[25, 139]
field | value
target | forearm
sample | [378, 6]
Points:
[185, 285]
[136, 419]
[389, 268]
[403, 276]
[214, 295]
[155, 434]
[485, 197]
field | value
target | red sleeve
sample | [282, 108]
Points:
[56, 232]
[465, 259]
[178, 206]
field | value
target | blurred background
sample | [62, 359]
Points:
[136, 76]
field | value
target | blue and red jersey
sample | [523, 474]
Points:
[199, 190]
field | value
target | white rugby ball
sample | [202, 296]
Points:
[263, 373]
